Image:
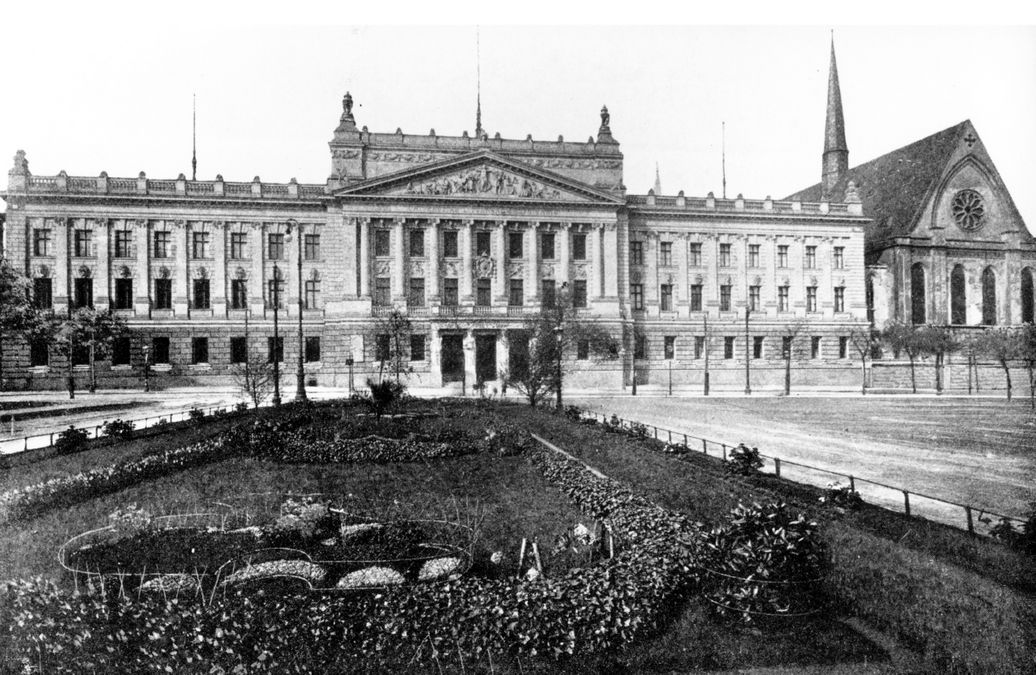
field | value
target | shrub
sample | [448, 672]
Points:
[744, 461]
[765, 561]
[71, 440]
[119, 429]
[638, 430]
[240, 407]
[384, 394]
[574, 413]
[841, 496]
[196, 414]
[613, 424]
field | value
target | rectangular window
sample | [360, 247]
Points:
[782, 298]
[724, 298]
[843, 347]
[238, 294]
[811, 257]
[121, 351]
[238, 241]
[42, 294]
[753, 255]
[637, 296]
[449, 243]
[124, 294]
[724, 255]
[757, 347]
[201, 294]
[200, 245]
[160, 349]
[482, 243]
[275, 349]
[417, 347]
[515, 245]
[814, 347]
[516, 296]
[754, 302]
[416, 296]
[839, 257]
[311, 247]
[39, 353]
[382, 291]
[274, 246]
[450, 295]
[579, 247]
[782, 255]
[123, 243]
[313, 349]
[84, 293]
[41, 242]
[199, 350]
[275, 293]
[666, 253]
[239, 350]
[417, 242]
[786, 347]
[839, 298]
[162, 241]
[163, 294]
[547, 246]
[667, 297]
[640, 347]
[636, 253]
[311, 295]
[728, 347]
[670, 347]
[579, 293]
[81, 243]
[695, 297]
[484, 293]
[811, 298]
[695, 255]
[383, 347]
[699, 346]
[80, 355]
[548, 289]
[583, 350]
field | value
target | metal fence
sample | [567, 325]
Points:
[896, 498]
[14, 446]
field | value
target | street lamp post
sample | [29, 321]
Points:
[147, 368]
[558, 330]
[276, 336]
[748, 355]
[300, 377]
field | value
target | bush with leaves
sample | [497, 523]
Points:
[744, 461]
[841, 496]
[71, 440]
[638, 430]
[118, 429]
[384, 395]
[196, 414]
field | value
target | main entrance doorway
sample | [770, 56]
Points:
[485, 358]
[452, 358]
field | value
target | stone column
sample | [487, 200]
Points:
[102, 271]
[364, 291]
[466, 271]
[434, 357]
[62, 273]
[219, 268]
[501, 262]
[257, 277]
[142, 276]
[182, 267]
[503, 352]
[290, 270]
[469, 358]
[597, 267]
[681, 294]
[611, 261]
[563, 240]
[399, 264]
[431, 281]
[532, 272]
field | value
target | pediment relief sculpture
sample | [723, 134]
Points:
[485, 181]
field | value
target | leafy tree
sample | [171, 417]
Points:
[863, 341]
[902, 338]
[1002, 344]
[937, 341]
[1027, 352]
[554, 334]
[96, 331]
[60, 333]
[15, 309]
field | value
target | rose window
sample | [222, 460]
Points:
[968, 209]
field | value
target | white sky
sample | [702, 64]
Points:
[117, 97]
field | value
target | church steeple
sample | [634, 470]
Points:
[836, 152]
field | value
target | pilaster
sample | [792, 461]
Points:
[611, 261]
[563, 240]
[364, 290]
[500, 282]
[432, 278]
[219, 269]
[466, 297]
[102, 270]
[257, 278]
[532, 271]
[181, 251]
[62, 271]
[398, 261]
[142, 277]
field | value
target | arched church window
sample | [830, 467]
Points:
[968, 209]
[989, 297]
[1027, 296]
[958, 297]
[917, 294]
[869, 290]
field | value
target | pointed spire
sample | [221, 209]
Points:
[479, 131]
[658, 181]
[194, 137]
[836, 152]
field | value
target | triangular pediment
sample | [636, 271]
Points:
[480, 176]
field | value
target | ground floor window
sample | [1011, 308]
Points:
[417, 351]
[39, 353]
[814, 347]
[670, 347]
[728, 347]
[843, 347]
[757, 347]
[160, 349]
[312, 349]
[699, 346]
[239, 350]
[121, 351]
[199, 350]
[583, 350]
[275, 349]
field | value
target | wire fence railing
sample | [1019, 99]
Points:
[13, 446]
[976, 520]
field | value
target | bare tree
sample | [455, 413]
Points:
[1027, 351]
[863, 341]
[391, 334]
[789, 333]
[254, 378]
[1003, 344]
[937, 341]
[902, 338]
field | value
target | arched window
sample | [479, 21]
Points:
[1027, 296]
[917, 296]
[989, 297]
[869, 289]
[958, 298]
